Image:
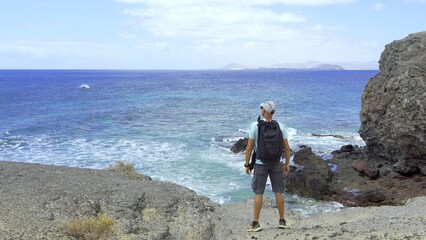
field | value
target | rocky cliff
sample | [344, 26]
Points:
[393, 114]
[37, 201]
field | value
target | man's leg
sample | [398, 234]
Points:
[277, 183]
[279, 197]
[258, 186]
[258, 201]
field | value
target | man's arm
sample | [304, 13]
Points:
[287, 154]
[249, 149]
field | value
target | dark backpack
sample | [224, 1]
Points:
[269, 142]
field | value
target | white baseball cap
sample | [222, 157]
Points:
[269, 106]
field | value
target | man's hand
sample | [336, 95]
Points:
[247, 171]
[286, 168]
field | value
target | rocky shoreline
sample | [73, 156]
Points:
[356, 181]
[36, 202]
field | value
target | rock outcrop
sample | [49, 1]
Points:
[37, 201]
[310, 177]
[393, 114]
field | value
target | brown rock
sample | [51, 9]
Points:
[359, 165]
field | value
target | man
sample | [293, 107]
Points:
[262, 170]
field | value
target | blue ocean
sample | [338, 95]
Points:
[175, 126]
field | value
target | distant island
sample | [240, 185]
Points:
[309, 65]
[328, 67]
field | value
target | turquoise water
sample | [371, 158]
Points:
[174, 126]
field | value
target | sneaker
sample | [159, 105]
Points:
[254, 227]
[282, 224]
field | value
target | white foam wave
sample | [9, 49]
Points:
[231, 139]
[84, 86]
[82, 152]
[291, 132]
[323, 146]
[244, 130]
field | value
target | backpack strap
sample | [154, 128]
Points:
[259, 122]
[253, 156]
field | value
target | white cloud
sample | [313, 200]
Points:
[211, 24]
[415, 1]
[197, 33]
[220, 21]
[206, 29]
[175, 3]
[378, 6]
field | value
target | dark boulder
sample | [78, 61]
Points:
[347, 148]
[311, 177]
[353, 150]
[240, 145]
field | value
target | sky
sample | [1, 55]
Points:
[199, 34]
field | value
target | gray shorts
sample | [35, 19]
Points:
[260, 176]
